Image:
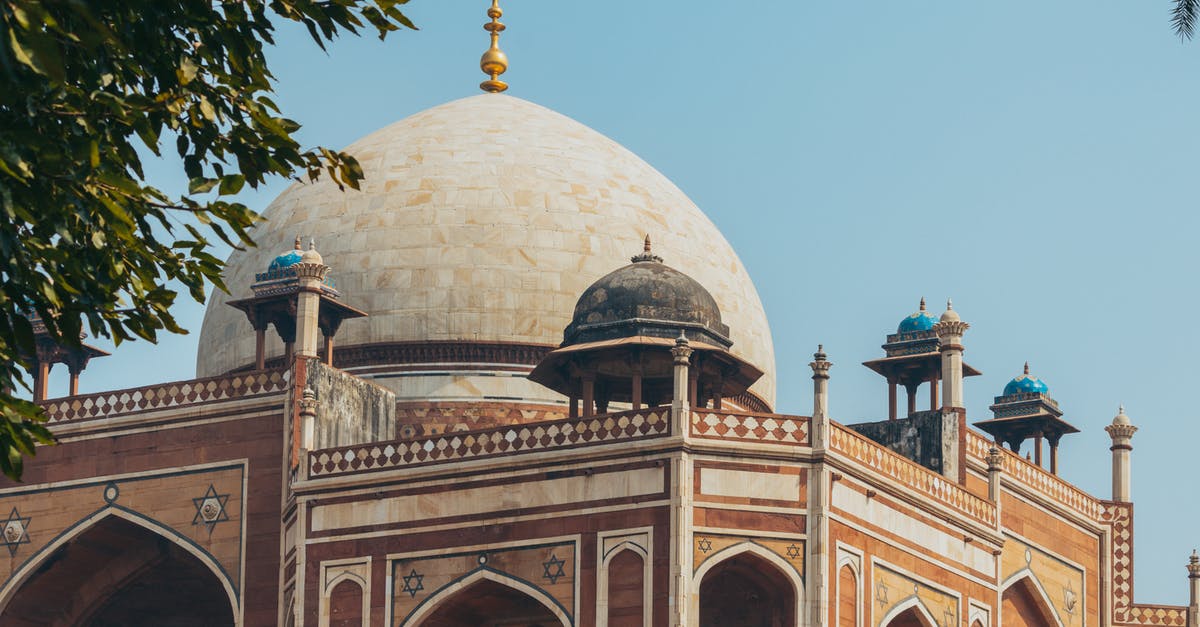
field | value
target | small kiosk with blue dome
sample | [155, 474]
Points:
[1024, 411]
[912, 358]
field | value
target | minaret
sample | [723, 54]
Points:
[820, 366]
[950, 330]
[310, 272]
[1121, 431]
[494, 62]
[1193, 612]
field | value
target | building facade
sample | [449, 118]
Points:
[514, 426]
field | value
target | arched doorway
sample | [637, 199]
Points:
[746, 590]
[486, 600]
[1023, 604]
[912, 615]
[117, 572]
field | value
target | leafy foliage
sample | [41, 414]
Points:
[85, 85]
[1183, 17]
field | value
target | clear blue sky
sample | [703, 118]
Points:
[1036, 161]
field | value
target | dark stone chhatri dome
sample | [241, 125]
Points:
[646, 298]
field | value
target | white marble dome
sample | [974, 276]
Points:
[483, 220]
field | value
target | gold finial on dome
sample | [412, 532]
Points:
[494, 62]
[296, 245]
[1026, 367]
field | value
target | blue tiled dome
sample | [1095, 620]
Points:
[1026, 384]
[920, 321]
[286, 259]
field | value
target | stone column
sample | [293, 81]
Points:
[310, 272]
[1121, 431]
[1193, 612]
[995, 466]
[680, 385]
[819, 488]
[950, 332]
[681, 592]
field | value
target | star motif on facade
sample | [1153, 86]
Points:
[1070, 599]
[210, 508]
[552, 569]
[950, 615]
[413, 583]
[793, 551]
[16, 531]
[704, 545]
[881, 593]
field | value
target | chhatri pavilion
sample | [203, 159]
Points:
[519, 379]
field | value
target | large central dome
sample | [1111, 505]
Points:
[480, 222]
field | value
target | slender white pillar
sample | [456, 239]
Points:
[1121, 431]
[310, 272]
[950, 332]
[1193, 613]
[819, 488]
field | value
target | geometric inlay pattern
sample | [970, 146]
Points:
[1120, 517]
[860, 450]
[506, 440]
[165, 395]
[16, 531]
[1036, 478]
[793, 551]
[553, 568]
[704, 544]
[748, 427]
[412, 583]
[210, 508]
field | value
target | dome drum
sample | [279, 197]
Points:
[638, 371]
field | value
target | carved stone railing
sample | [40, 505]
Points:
[1168, 615]
[860, 450]
[507, 440]
[749, 427]
[164, 396]
[1036, 478]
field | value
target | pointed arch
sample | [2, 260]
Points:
[747, 549]
[1025, 585]
[35, 562]
[916, 610]
[605, 607]
[452, 589]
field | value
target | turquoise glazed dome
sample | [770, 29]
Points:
[1026, 384]
[920, 321]
[289, 258]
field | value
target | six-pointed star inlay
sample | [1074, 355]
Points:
[552, 568]
[413, 583]
[210, 508]
[16, 531]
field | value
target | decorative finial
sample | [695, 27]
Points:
[1026, 367]
[646, 254]
[922, 304]
[494, 62]
[297, 245]
[949, 305]
[820, 354]
[312, 244]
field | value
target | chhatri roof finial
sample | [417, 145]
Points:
[922, 304]
[1026, 367]
[494, 62]
[646, 254]
[297, 244]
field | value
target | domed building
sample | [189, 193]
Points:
[460, 405]
[478, 225]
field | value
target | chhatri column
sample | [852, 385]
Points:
[819, 489]
[310, 271]
[1121, 431]
[1193, 611]
[681, 595]
[950, 332]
